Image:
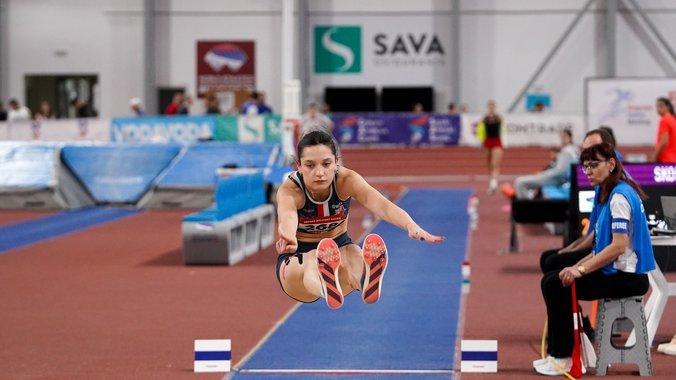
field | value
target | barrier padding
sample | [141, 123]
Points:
[196, 165]
[27, 166]
[209, 240]
[213, 242]
[118, 173]
[278, 171]
[239, 192]
[238, 225]
[206, 215]
[266, 221]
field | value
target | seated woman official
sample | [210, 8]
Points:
[621, 257]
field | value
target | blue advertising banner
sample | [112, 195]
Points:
[187, 129]
[403, 129]
[162, 129]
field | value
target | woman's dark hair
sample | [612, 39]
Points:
[605, 136]
[316, 138]
[607, 151]
[667, 103]
[609, 130]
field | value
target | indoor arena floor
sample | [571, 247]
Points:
[104, 294]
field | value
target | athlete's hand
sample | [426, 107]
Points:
[417, 233]
[286, 244]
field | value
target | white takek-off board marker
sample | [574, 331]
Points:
[212, 355]
[479, 356]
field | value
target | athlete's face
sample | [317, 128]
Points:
[318, 166]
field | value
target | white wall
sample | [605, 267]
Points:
[39, 28]
[502, 43]
[181, 24]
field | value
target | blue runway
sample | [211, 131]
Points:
[409, 334]
[33, 231]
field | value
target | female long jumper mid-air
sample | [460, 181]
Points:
[316, 256]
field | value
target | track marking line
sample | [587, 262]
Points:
[351, 371]
[435, 178]
[262, 341]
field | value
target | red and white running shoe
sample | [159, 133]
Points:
[328, 260]
[375, 260]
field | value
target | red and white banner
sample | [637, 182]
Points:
[225, 65]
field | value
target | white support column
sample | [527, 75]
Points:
[455, 51]
[149, 88]
[4, 85]
[288, 41]
[611, 13]
[291, 94]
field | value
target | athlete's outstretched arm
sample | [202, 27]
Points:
[287, 219]
[386, 210]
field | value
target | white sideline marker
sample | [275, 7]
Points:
[479, 356]
[212, 355]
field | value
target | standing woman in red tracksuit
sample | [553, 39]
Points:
[665, 148]
[317, 258]
[490, 131]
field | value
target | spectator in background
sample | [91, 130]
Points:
[418, 108]
[186, 103]
[44, 111]
[452, 108]
[136, 107]
[173, 107]
[555, 176]
[255, 105]
[213, 106]
[79, 109]
[313, 120]
[665, 148]
[17, 112]
[538, 107]
[3, 113]
[263, 108]
[250, 107]
[211, 103]
[490, 131]
[326, 108]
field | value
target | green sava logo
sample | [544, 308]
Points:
[337, 49]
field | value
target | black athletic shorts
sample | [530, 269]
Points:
[303, 247]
